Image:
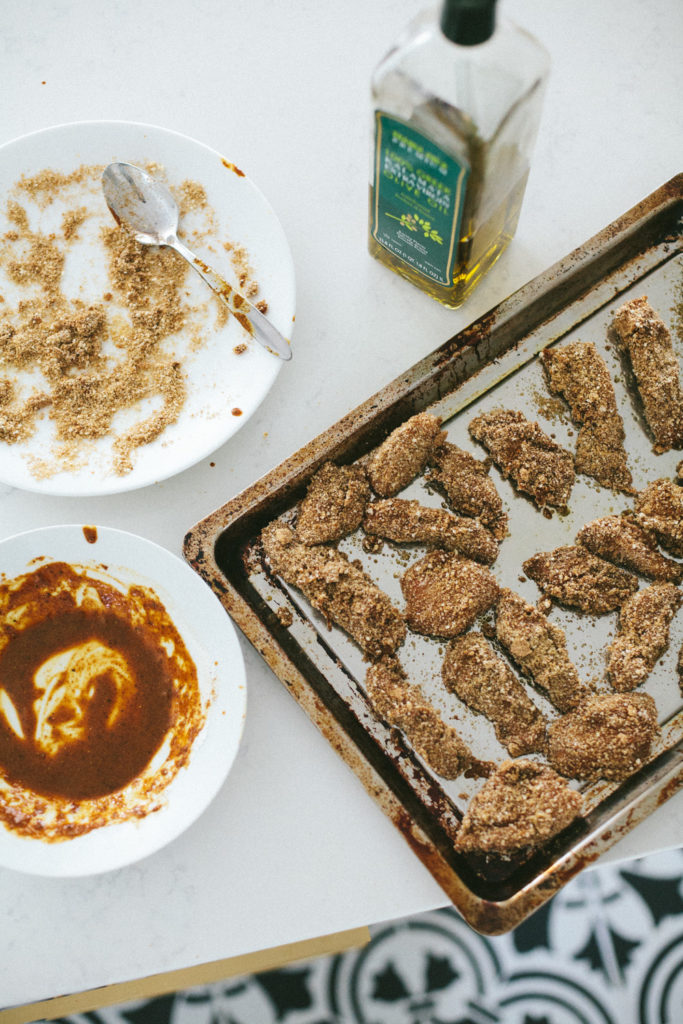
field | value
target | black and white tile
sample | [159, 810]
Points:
[608, 949]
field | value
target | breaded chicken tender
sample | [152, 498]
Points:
[576, 578]
[578, 372]
[641, 333]
[622, 540]
[404, 454]
[408, 522]
[607, 736]
[404, 705]
[334, 504]
[520, 807]
[445, 593]
[539, 647]
[522, 451]
[338, 589]
[468, 487]
[487, 684]
[659, 507]
[643, 635]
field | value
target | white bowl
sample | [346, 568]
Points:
[197, 614]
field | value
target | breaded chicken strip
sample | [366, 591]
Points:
[470, 490]
[622, 540]
[408, 522]
[334, 504]
[445, 593]
[404, 705]
[486, 683]
[659, 507]
[338, 589]
[578, 372]
[576, 578]
[521, 450]
[607, 736]
[539, 647]
[404, 454]
[643, 635]
[643, 335]
[521, 806]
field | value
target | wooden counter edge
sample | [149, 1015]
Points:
[187, 977]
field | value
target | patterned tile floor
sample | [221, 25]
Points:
[607, 950]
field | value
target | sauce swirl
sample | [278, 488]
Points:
[96, 687]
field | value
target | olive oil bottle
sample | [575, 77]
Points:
[457, 103]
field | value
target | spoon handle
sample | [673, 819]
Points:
[251, 318]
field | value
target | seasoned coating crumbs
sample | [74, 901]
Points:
[482, 680]
[643, 335]
[404, 705]
[521, 450]
[578, 372]
[622, 540]
[470, 490]
[338, 589]
[404, 454]
[607, 736]
[407, 522]
[643, 635]
[334, 504]
[445, 593]
[97, 369]
[540, 649]
[659, 507]
[522, 805]
[576, 578]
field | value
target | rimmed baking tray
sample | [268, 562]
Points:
[492, 362]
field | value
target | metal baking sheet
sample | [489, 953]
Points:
[492, 363]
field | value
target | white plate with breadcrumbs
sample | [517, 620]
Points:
[73, 308]
[159, 803]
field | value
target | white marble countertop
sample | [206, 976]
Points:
[292, 847]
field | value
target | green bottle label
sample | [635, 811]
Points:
[418, 198]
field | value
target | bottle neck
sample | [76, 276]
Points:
[468, 22]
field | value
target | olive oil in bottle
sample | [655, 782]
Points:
[456, 103]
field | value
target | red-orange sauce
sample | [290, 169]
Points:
[90, 534]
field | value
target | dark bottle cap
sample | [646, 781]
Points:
[468, 22]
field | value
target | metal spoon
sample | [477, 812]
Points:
[146, 208]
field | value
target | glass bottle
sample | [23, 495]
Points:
[457, 103]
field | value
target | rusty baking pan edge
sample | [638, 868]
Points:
[571, 280]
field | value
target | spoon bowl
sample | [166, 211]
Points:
[144, 206]
[140, 203]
